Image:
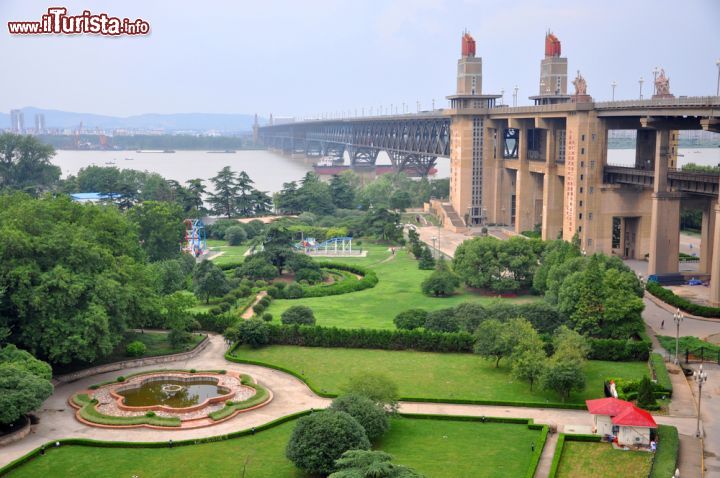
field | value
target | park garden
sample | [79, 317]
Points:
[520, 322]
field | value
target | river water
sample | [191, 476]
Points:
[270, 170]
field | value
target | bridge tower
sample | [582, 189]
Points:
[553, 74]
[469, 77]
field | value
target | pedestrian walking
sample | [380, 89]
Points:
[662, 324]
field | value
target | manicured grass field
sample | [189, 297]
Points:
[430, 375]
[436, 448]
[397, 290]
[231, 253]
[600, 460]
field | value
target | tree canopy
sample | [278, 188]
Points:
[24, 383]
[25, 164]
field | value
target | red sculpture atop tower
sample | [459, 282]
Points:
[468, 45]
[552, 45]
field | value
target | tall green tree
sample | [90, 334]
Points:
[24, 383]
[25, 164]
[161, 228]
[209, 281]
[342, 191]
[224, 199]
[196, 190]
[528, 357]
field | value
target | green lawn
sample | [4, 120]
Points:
[397, 290]
[600, 460]
[428, 375]
[436, 448]
[156, 343]
[231, 253]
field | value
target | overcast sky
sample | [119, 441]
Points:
[302, 57]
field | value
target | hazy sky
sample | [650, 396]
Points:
[301, 57]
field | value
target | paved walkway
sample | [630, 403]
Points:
[543, 468]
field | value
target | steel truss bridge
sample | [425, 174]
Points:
[413, 142]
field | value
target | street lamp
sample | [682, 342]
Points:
[434, 238]
[641, 81]
[700, 377]
[613, 84]
[502, 93]
[515, 91]
[656, 70]
[677, 318]
[717, 93]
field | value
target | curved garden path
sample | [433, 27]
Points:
[57, 418]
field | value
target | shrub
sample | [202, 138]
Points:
[312, 276]
[275, 292]
[646, 395]
[135, 349]
[371, 417]
[253, 332]
[427, 261]
[379, 389]
[235, 235]
[657, 364]
[667, 452]
[411, 319]
[257, 267]
[618, 350]
[321, 438]
[214, 322]
[293, 291]
[298, 314]
[258, 308]
[265, 301]
[150, 414]
[267, 317]
[120, 378]
[441, 283]
[442, 320]
[350, 284]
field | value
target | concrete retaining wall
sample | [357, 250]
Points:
[139, 362]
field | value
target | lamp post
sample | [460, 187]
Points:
[515, 91]
[641, 81]
[613, 84]
[677, 318]
[700, 377]
[502, 93]
[717, 93]
[656, 70]
[434, 239]
[433, 102]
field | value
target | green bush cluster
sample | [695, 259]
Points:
[669, 297]
[135, 349]
[214, 323]
[298, 314]
[666, 456]
[369, 280]
[619, 350]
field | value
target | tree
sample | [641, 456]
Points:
[224, 200]
[495, 339]
[441, 283]
[400, 200]
[254, 332]
[528, 358]
[172, 275]
[277, 245]
[177, 317]
[375, 386]
[427, 261]
[235, 235]
[298, 314]
[372, 418]
[209, 281]
[315, 196]
[319, 439]
[24, 383]
[195, 191]
[257, 267]
[25, 164]
[563, 376]
[342, 191]
[411, 319]
[382, 224]
[569, 344]
[366, 464]
[646, 394]
[469, 315]
[73, 277]
[161, 229]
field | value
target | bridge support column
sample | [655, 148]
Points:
[715, 260]
[553, 192]
[665, 220]
[707, 237]
[524, 189]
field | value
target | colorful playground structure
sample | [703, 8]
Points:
[195, 240]
[337, 246]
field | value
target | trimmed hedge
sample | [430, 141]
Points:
[261, 394]
[669, 297]
[537, 454]
[619, 350]
[227, 266]
[665, 459]
[214, 322]
[318, 336]
[350, 284]
[90, 413]
[657, 365]
[562, 438]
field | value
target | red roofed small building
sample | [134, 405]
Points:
[630, 424]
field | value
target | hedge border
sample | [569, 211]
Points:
[88, 412]
[665, 432]
[261, 395]
[669, 297]
[660, 372]
[251, 431]
[562, 438]
[569, 406]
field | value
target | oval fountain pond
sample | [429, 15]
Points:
[172, 392]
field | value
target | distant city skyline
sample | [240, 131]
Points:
[308, 58]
